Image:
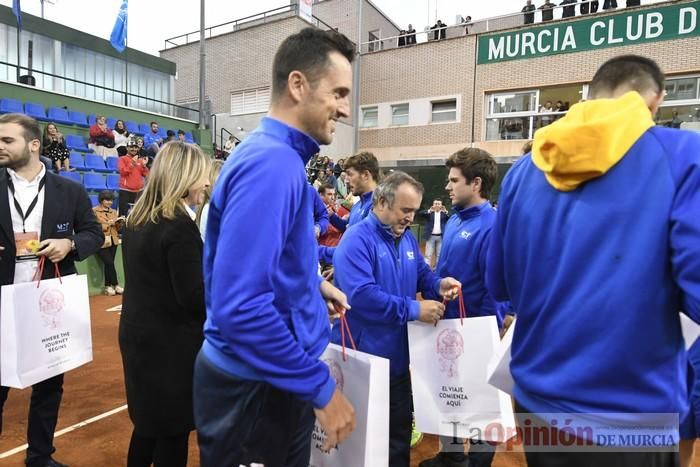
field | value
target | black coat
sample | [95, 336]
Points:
[67, 214]
[160, 331]
[430, 221]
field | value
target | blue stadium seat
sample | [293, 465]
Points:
[144, 128]
[59, 115]
[94, 182]
[75, 176]
[188, 137]
[162, 132]
[96, 163]
[77, 143]
[8, 106]
[93, 200]
[111, 122]
[91, 119]
[78, 118]
[113, 182]
[76, 161]
[132, 127]
[36, 111]
[113, 164]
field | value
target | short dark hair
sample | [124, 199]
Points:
[326, 186]
[30, 127]
[638, 73]
[180, 132]
[363, 161]
[307, 51]
[154, 123]
[474, 162]
[105, 195]
[170, 133]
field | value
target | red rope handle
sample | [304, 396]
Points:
[462, 307]
[344, 329]
[38, 274]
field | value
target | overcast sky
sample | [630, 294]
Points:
[153, 21]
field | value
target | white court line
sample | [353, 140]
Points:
[19, 449]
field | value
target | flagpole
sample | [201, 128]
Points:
[19, 31]
[126, 70]
[202, 65]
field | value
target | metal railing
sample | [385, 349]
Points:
[480, 26]
[174, 110]
[231, 26]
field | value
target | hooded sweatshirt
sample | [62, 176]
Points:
[597, 245]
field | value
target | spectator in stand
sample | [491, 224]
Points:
[440, 30]
[467, 21]
[160, 331]
[341, 185]
[338, 167]
[402, 38]
[181, 136]
[203, 211]
[546, 109]
[332, 235]
[410, 35]
[587, 6]
[228, 146]
[609, 4]
[152, 141]
[111, 224]
[330, 177]
[101, 137]
[547, 11]
[631, 3]
[170, 136]
[132, 171]
[529, 10]
[55, 148]
[121, 136]
[569, 10]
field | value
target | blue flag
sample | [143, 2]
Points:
[17, 12]
[118, 37]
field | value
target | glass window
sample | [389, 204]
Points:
[370, 117]
[374, 41]
[681, 89]
[679, 116]
[444, 111]
[508, 128]
[399, 114]
[513, 102]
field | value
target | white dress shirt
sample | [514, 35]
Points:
[25, 192]
[437, 228]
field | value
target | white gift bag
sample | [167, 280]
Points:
[499, 367]
[44, 329]
[451, 396]
[364, 380]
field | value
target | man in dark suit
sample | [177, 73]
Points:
[570, 10]
[529, 10]
[34, 202]
[435, 219]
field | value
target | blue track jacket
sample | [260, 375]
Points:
[358, 212]
[597, 245]
[266, 319]
[463, 256]
[381, 279]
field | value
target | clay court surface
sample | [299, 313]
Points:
[98, 388]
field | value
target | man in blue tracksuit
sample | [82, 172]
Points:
[362, 172]
[258, 379]
[380, 268]
[472, 175]
[597, 245]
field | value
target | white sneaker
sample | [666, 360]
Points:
[110, 291]
[119, 290]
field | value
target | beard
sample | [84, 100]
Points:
[15, 163]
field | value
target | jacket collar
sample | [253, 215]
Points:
[366, 197]
[383, 229]
[302, 143]
[473, 211]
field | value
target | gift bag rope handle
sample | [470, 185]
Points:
[344, 329]
[40, 272]
[462, 308]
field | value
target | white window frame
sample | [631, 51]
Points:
[363, 123]
[374, 45]
[678, 102]
[407, 115]
[445, 111]
[250, 101]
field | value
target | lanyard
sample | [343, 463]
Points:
[31, 207]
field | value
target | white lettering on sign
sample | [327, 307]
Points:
[633, 36]
[688, 20]
[655, 25]
[595, 39]
[569, 39]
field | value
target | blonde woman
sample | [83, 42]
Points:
[203, 211]
[160, 331]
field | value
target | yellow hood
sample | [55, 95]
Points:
[590, 139]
